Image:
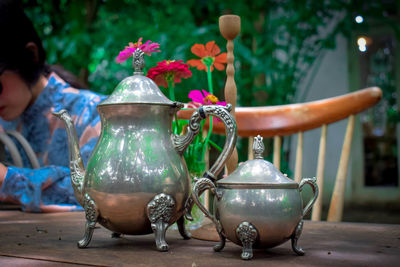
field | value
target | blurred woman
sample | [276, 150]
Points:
[29, 92]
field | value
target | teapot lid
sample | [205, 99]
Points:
[137, 89]
[257, 173]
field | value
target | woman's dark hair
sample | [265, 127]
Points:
[16, 31]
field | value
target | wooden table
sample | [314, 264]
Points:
[50, 239]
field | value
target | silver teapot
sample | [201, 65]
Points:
[257, 206]
[136, 181]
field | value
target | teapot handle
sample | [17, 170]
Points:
[199, 187]
[222, 112]
[313, 183]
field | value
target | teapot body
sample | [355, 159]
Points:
[133, 161]
[136, 180]
[275, 213]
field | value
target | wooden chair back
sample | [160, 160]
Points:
[278, 121]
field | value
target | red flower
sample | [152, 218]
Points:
[209, 57]
[169, 71]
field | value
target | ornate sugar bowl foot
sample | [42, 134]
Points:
[92, 215]
[296, 234]
[218, 247]
[247, 234]
[159, 212]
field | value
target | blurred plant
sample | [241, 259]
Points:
[383, 117]
[278, 44]
[276, 49]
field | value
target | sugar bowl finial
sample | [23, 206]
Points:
[138, 62]
[258, 147]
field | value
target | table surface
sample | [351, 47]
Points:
[50, 239]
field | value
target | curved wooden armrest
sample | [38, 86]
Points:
[288, 119]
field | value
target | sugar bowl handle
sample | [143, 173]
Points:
[199, 187]
[313, 183]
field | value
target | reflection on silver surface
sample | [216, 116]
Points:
[136, 172]
[133, 161]
[274, 212]
[260, 198]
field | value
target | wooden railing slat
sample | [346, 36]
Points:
[250, 154]
[336, 207]
[316, 212]
[277, 152]
[299, 158]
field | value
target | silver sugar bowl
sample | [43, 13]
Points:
[257, 206]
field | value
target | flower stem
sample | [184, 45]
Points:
[207, 138]
[210, 89]
[209, 80]
[215, 145]
[171, 90]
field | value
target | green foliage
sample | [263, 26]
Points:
[381, 65]
[278, 43]
[279, 40]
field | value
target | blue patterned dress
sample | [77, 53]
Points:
[49, 188]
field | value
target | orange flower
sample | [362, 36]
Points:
[209, 57]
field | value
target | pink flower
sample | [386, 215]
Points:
[124, 55]
[169, 71]
[205, 98]
[148, 48]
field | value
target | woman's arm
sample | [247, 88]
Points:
[47, 189]
[3, 172]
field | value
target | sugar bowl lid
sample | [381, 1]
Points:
[137, 89]
[257, 173]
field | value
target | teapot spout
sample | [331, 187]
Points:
[75, 159]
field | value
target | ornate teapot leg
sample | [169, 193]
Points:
[159, 212]
[188, 208]
[182, 230]
[115, 235]
[92, 215]
[187, 214]
[295, 236]
[247, 234]
[218, 247]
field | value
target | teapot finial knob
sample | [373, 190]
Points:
[258, 147]
[138, 62]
